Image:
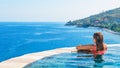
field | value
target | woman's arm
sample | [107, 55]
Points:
[85, 48]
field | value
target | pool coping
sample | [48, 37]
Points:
[22, 61]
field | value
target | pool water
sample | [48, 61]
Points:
[79, 60]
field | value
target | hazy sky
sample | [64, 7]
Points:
[52, 10]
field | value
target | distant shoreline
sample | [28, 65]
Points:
[105, 29]
[108, 30]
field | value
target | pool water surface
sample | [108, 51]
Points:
[79, 60]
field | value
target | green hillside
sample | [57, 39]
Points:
[108, 19]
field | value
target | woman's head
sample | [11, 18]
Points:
[98, 40]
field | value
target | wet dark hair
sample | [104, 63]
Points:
[99, 41]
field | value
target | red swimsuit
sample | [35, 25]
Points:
[95, 52]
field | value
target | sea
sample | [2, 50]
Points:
[19, 38]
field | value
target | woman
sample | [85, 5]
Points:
[97, 49]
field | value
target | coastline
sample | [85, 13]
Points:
[108, 30]
[22, 61]
[105, 29]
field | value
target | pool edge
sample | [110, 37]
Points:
[21, 61]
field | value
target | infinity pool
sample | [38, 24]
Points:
[79, 60]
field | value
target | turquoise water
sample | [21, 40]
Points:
[79, 60]
[19, 38]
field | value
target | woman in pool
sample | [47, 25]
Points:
[97, 49]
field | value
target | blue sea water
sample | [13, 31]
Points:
[19, 38]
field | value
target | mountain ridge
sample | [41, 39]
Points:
[109, 19]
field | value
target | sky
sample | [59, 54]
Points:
[52, 10]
